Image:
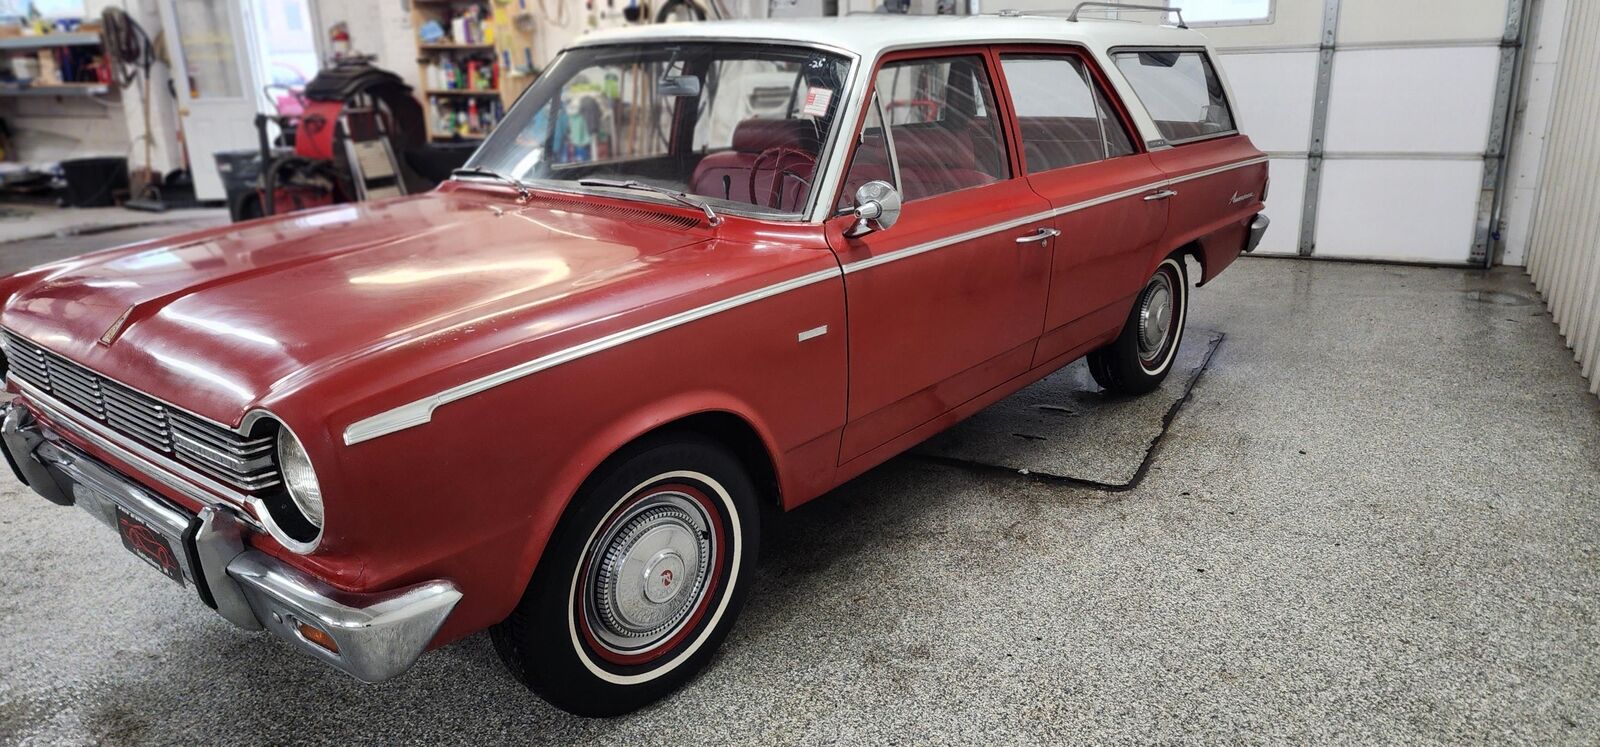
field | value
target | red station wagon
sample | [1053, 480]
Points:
[698, 272]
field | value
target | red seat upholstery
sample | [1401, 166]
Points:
[1054, 142]
[726, 174]
[934, 160]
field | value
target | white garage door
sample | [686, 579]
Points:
[1410, 98]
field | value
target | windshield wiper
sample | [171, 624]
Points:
[712, 219]
[523, 193]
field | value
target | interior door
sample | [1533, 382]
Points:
[214, 74]
[948, 302]
[1079, 154]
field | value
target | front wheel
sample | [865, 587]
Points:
[1139, 359]
[641, 580]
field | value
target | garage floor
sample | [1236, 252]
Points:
[1375, 518]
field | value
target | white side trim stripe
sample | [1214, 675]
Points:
[421, 411]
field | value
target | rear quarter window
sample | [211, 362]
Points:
[1181, 91]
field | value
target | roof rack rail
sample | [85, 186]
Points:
[1072, 15]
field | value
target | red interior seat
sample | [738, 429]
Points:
[726, 174]
[934, 160]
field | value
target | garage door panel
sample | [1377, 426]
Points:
[1273, 93]
[1410, 21]
[1411, 210]
[1421, 100]
[1285, 201]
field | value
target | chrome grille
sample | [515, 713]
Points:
[243, 462]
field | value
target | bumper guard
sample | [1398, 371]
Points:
[1258, 228]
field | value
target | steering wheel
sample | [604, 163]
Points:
[779, 154]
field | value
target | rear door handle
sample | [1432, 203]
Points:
[1041, 235]
[1162, 195]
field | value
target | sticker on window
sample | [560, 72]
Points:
[817, 100]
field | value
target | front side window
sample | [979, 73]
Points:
[741, 126]
[1181, 91]
[1064, 118]
[943, 125]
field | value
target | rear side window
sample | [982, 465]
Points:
[1063, 116]
[1181, 91]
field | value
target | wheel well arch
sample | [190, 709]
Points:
[739, 437]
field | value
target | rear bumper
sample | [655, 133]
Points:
[1258, 228]
[371, 636]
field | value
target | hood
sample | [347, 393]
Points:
[218, 320]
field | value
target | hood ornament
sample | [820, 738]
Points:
[116, 327]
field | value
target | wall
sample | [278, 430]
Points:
[1564, 246]
[383, 27]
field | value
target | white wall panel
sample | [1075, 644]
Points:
[1285, 200]
[1273, 94]
[1422, 100]
[1420, 211]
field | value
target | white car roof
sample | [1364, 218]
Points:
[870, 35]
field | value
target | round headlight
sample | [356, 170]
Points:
[299, 478]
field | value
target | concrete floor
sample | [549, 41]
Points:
[1376, 518]
[20, 221]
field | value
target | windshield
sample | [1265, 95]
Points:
[739, 126]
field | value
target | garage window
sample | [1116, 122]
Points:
[1224, 12]
[1181, 91]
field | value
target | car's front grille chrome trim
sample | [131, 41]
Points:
[241, 462]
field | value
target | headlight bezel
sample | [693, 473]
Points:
[284, 511]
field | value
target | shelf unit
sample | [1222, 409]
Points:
[502, 46]
[59, 89]
[59, 54]
[45, 41]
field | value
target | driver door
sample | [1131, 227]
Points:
[949, 302]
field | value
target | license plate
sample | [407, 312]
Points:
[150, 545]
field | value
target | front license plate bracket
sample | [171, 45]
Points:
[149, 545]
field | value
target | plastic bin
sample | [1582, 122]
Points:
[95, 182]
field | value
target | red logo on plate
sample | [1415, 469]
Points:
[149, 545]
[666, 577]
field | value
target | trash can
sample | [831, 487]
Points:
[95, 182]
[241, 173]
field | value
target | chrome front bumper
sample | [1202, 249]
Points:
[1258, 228]
[374, 636]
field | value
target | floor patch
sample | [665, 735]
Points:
[1063, 427]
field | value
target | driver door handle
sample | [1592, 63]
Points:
[1041, 235]
[1162, 195]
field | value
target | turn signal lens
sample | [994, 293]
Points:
[317, 636]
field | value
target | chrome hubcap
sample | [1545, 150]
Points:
[1155, 316]
[649, 572]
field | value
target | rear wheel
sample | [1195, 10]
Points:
[1139, 359]
[641, 580]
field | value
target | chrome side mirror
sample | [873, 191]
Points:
[877, 208]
